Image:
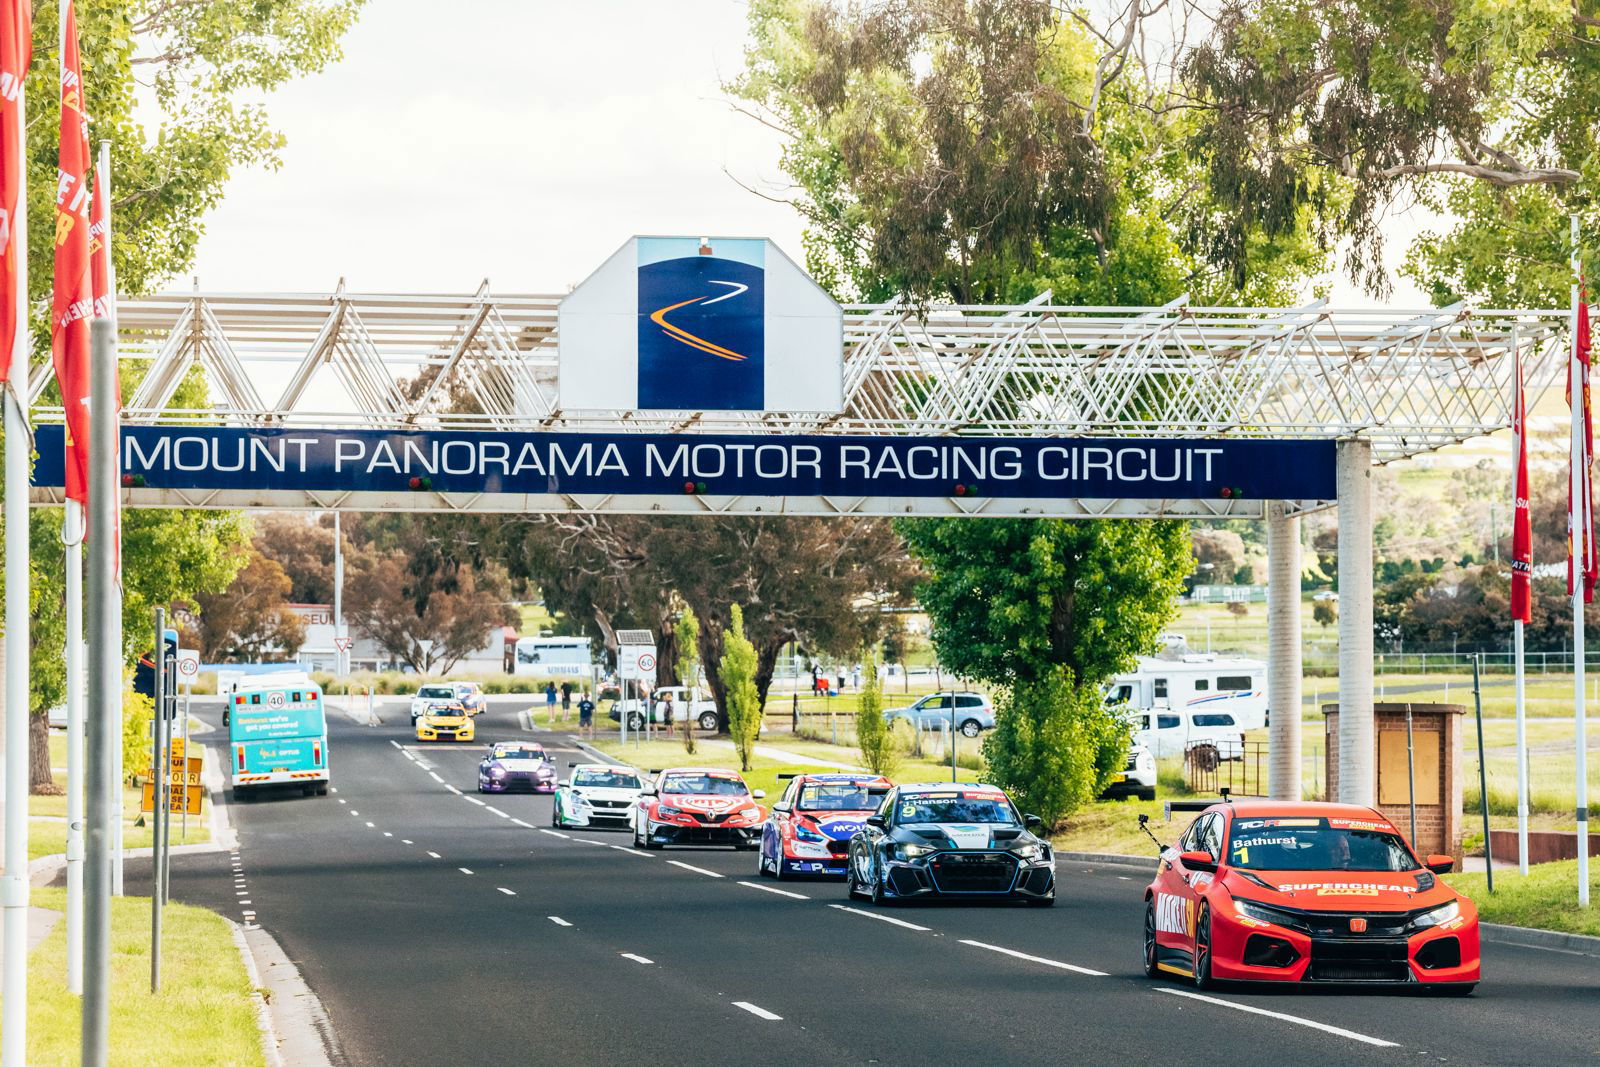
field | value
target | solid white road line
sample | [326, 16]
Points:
[553, 833]
[880, 918]
[435, 855]
[635, 959]
[1337, 1031]
[1036, 959]
[464, 870]
[760, 1013]
[696, 870]
[506, 891]
[775, 889]
[558, 920]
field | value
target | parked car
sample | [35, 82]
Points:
[1137, 779]
[1176, 733]
[699, 704]
[973, 712]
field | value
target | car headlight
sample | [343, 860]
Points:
[668, 813]
[1028, 852]
[1261, 913]
[911, 852]
[752, 812]
[1438, 916]
[497, 772]
[805, 833]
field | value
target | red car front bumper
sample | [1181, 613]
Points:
[1248, 950]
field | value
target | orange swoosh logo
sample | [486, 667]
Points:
[659, 317]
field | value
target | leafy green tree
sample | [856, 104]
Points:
[1011, 599]
[1054, 746]
[873, 736]
[1332, 111]
[686, 630]
[738, 673]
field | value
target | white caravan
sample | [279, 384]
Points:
[1181, 700]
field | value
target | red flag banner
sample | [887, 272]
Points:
[16, 52]
[74, 295]
[1580, 484]
[1521, 520]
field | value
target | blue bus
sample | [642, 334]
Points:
[277, 735]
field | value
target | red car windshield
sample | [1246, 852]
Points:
[1259, 845]
[841, 796]
[713, 785]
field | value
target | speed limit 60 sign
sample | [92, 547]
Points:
[188, 666]
[637, 663]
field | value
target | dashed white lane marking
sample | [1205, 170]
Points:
[1036, 959]
[519, 822]
[496, 811]
[387, 834]
[775, 889]
[241, 892]
[436, 778]
[342, 800]
[760, 1013]
[1123, 878]
[558, 920]
[395, 743]
[473, 800]
[453, 789]
[246, 902]
[408, 755]
[552, 833]
[635, 958]
[464, 870]
[506, 891]
[355, 813]
[696, 870]
[880, 918]
[333, 789]
[407, 841]
[631, 851]
[371, 826]
[435, 855]
[1337, 1031]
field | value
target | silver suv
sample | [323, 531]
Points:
[973, 712]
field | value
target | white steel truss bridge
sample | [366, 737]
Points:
[1407, 382]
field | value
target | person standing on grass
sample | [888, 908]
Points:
[666, 709]
[566, 701]
[550, 701]
[586, 715]
[841, 679]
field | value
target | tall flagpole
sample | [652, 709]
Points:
[1518, 507]
[1580, 539]
[18, 446]
[102, 178]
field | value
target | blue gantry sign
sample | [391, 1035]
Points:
[340, 460]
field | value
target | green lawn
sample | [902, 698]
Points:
[48, 838]
[1547, 899]
[1113, 826]
[203, 1014]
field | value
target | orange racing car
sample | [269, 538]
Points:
[1287, 891]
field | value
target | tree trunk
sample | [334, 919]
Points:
[40, 781]
[766, 663]
[711, 649]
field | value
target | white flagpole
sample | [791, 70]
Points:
[1518, 444]
[102, 173]
[72, 536]
[1580, 540]
[18, 446]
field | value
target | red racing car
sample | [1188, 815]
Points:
[1286, 891]
[697, 806]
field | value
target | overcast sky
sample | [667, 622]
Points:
[518, 140]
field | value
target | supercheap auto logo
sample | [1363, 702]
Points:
[702, 334]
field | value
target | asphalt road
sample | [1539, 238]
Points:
[438, 927]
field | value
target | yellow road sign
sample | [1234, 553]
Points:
[182, 800]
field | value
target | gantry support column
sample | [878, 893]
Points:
[1283, 652]
[1357, 745]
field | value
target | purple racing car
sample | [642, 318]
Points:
[514, 765]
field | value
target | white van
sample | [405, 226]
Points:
[1172, 733]
[1202, 683]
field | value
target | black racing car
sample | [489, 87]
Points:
[952, 840]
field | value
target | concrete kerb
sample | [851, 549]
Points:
[294, 1026]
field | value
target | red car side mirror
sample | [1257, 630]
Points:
[1440, 864]
[1198, 861]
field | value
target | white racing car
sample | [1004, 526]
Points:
[597, 794]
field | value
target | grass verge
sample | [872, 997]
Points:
[203, 1014]
[1547, 899]
[1113, 826]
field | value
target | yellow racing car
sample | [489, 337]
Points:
[445, 721]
